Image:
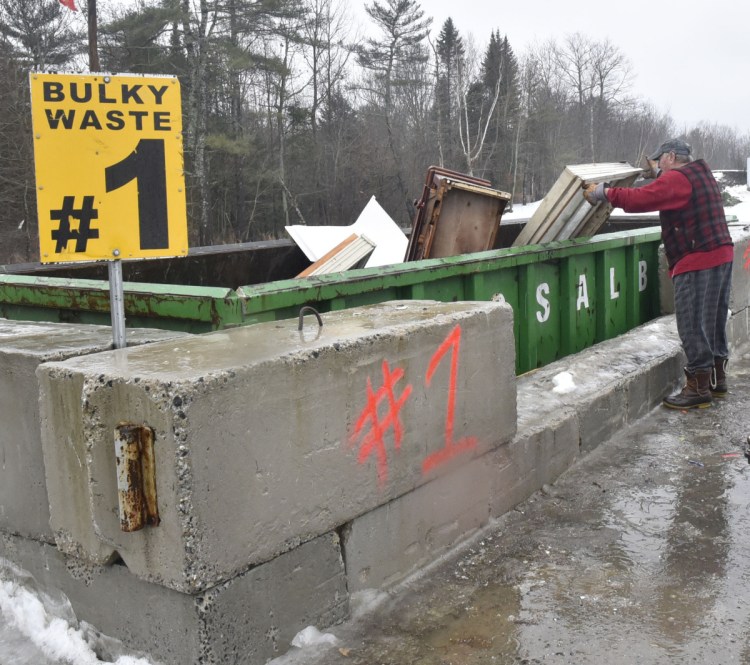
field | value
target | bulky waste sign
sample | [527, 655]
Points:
[109, 166]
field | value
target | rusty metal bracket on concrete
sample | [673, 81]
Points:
[136, 476]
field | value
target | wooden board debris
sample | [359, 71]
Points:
[564, 213]
[342, 257]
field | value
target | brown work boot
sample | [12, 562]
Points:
[719, 378]
[695, 394]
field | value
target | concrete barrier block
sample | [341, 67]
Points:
[266, 436]
[593, 390]
[255, 616]
[515, 477]
[555, 449]
[24, 345]
[247, 620]
[69, 407]
[537, 456]
[605, 415]
[660, 378]
[388, 543]
[608, 384]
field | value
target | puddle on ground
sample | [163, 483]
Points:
[486, 628]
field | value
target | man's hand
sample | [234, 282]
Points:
[594, 193]
[588, 193]
[649, 168]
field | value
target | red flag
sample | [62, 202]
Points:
[70, 4]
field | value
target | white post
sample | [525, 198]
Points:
[747, 173]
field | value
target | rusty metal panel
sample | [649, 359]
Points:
[136, 476]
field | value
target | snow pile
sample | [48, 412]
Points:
[742, 209]
[38, 629]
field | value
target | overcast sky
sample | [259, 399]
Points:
[690, 58]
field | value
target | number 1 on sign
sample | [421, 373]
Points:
[147, 166]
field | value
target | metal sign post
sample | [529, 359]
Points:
[117, 304]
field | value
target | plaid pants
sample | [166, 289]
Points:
[701, 301]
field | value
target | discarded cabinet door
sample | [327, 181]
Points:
[564, 213]
[457, 214]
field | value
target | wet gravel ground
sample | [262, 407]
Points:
[640, 553]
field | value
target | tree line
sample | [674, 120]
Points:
[291, 117]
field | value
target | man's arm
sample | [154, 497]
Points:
[670, 191]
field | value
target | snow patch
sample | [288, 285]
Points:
[563, 383]
[311, 636]
[46, 624]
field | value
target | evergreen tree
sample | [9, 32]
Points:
[39, 34]
[18, 223]
[500, 76]
[143, 40]
[450, 54]
[34, 35]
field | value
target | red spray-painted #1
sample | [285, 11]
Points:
[373, 440]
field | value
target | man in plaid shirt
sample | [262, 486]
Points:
[699, 253]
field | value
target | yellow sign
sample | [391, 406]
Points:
[109, 167]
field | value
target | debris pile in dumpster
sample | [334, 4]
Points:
[459, 214]
[374, 223]
[456, 214]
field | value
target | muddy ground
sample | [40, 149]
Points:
[640, 553]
